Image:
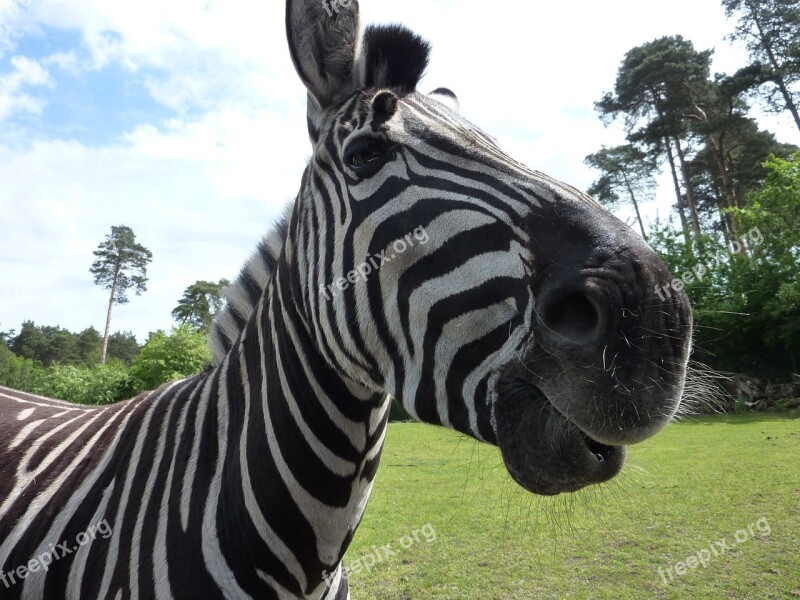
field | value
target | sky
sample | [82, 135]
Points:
[184, 120]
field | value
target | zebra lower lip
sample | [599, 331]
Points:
[544, 451]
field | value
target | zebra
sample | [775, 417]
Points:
[524, 321]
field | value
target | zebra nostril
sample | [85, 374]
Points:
[573, 317]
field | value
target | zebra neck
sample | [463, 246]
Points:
[302, 445]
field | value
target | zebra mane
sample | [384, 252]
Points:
[241, 296]
[394, 57]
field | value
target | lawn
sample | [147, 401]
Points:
[446, 521]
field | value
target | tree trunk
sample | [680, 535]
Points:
[789, 104]
[715, 142]
[689, 191]
[676, 183]
[728, 199]
[108, 316]
[716, 145]
[635, 204]
[787, 97]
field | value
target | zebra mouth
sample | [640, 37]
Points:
[543, 450]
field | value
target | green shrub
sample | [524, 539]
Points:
[166, 357]
[100, 384]
[19, 373]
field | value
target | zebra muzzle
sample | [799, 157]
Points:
[542, 449]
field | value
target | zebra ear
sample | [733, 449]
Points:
[324, 40]
[446, 97]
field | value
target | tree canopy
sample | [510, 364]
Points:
[120, 265]
[651, 93]
[200, 303]
[624, 169]
[771, 30]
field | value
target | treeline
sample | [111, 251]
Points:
[734, 244]
[48, 344]
[67, 365]
[52, 361]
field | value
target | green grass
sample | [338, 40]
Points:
[697, 482]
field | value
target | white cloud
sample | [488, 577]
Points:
[65, 61]
[25, 73]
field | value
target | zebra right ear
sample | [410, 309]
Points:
[446, 97]
[324, 40]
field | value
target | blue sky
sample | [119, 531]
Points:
[93, 107]
[185, 121]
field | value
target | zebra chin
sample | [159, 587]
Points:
[543, 451]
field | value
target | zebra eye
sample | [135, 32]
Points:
[366, 155]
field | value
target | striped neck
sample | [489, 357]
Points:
[298, 449]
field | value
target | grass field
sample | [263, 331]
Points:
[686, 493]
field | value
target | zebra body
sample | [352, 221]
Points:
[186, 481]
[418, 261]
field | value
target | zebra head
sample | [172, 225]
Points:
[487, 297]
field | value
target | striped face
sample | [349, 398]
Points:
[485, 296]
[414, 222]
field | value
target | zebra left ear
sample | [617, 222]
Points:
[324, 41]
